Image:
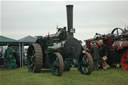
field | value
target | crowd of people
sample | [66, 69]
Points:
[99, 53]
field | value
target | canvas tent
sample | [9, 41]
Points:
[5, 41]
[27, 40]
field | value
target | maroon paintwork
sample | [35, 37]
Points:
[117, 46]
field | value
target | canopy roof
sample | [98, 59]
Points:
[28, 39]
[5, 40]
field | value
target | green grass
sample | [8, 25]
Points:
[73, 77]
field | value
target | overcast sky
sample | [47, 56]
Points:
[22, 18]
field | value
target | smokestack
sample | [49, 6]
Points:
[70, 19]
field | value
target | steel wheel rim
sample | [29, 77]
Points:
[84, 65]
[124, 61]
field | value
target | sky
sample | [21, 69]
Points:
[23, 18]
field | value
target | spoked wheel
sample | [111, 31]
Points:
[124, 61]
[58, 65]
[117, 31]
[86, 66]
[34, 58]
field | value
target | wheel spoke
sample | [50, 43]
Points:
[117, 32]
[85, 61]
[86, 69]
[87, 64]
[58, 65]
[32, 64]
[124, 61]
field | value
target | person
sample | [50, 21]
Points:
[95, 55]
[9, 59]
[1, 58]
[0, 52]
[103, 54]
[13, 60]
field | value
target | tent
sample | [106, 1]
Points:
[27, 40]
[20, 43]
[5, 41]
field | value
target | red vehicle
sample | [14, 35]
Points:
[117, 46]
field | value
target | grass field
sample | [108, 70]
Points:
[73, 77]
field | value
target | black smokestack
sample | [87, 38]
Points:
[70, 18]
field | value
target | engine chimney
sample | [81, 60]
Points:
[70, 20]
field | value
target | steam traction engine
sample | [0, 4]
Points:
[117, 46]
[59, 52]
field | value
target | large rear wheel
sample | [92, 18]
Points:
[124, 60]
[34, 58]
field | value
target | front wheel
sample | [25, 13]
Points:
[86, 65]
[58, 65]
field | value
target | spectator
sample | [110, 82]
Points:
[14, 60]
[9, 59]
[103, 54]
[95, 55]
